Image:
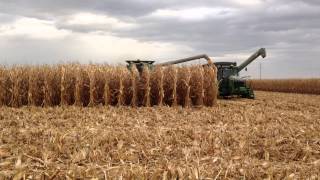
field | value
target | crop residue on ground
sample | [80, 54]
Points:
[274, 136]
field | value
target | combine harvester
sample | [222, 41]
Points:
[230, 83]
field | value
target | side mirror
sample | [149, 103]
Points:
[246, 69]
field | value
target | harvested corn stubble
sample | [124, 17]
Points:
[92, 85]
[274, 137]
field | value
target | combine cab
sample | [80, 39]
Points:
[229, 82]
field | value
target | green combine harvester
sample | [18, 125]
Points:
[230, 83]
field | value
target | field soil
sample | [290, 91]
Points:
[275, 136]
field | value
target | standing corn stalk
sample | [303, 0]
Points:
[36, 93]
[20, 78]
[91, 85]
[156, 87]
[6, 85]
[196, 86]
[183, 87]
[52, 85]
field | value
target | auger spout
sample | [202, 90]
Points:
[261, 52]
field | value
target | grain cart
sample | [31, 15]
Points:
[230, 84]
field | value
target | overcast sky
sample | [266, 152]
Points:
[111, 31]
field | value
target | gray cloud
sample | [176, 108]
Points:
[289, 29]
[46, 8]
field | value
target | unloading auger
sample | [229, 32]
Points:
[140, 64]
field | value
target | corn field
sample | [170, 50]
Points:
[91, 85]
[304, 86]
[51, 135]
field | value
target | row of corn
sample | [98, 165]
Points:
[91, 85]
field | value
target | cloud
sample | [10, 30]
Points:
[87, 22]
[34, 41]
[111, 29]
[32, 28]
[192, 14]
